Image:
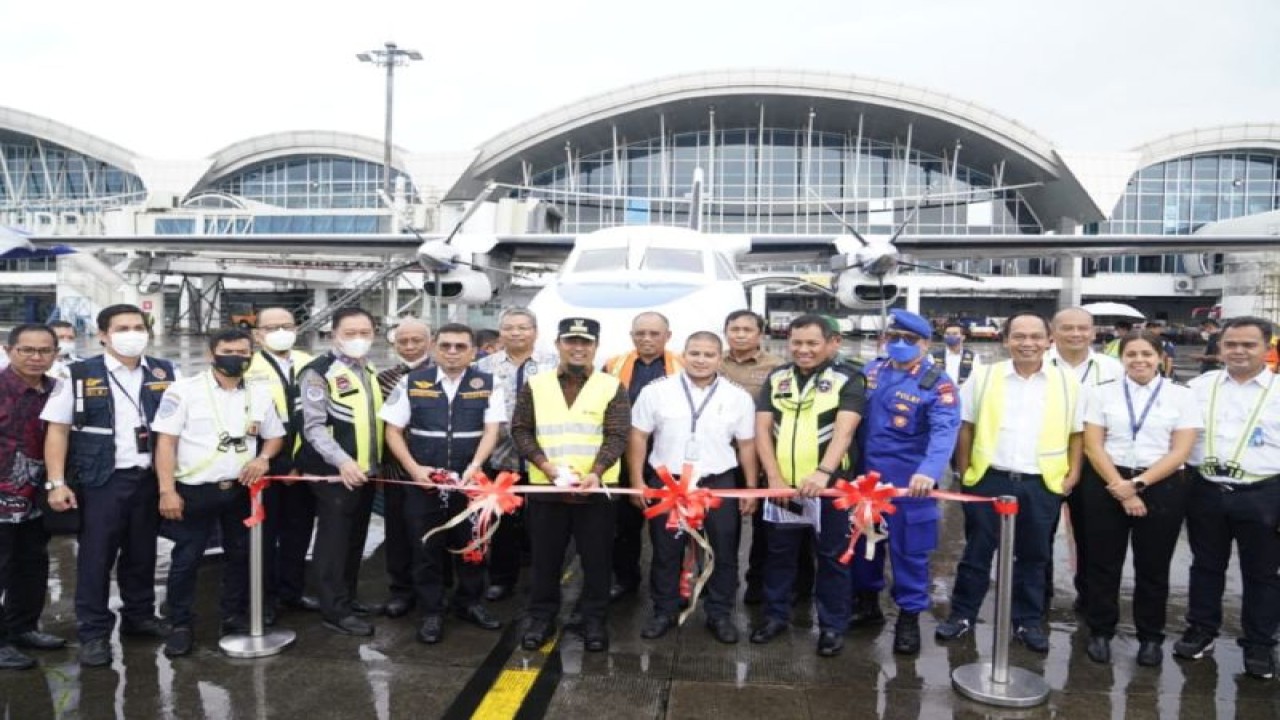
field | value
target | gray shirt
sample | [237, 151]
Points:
[315, 412]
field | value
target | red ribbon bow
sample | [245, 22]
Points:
[867, 501]
[499, 489]
[489, 501]
[680, 499]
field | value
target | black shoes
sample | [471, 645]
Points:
[768, 631]
[953, 628]
[1195, 643]
[36, 640]
[179, 642]
[363, 608]
[830, 643]
[1260, 662]
[95, 652]
[866, 610]
[595, 638]
[477, 615]
[1150, 653]
[494, 593]
[620, 590]
[397, 607]
[305, 603]
[723, 630]
[657, 626]
[235, 625]
[754, 594]
[1035, 639]
[12, 659]
[538, 633]
[432, 630]
[148, 627]
[906, 633]
[1099, 649]
[350, 625]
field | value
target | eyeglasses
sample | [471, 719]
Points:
[902, 335]
[281, 326]
[453, 347]
[25, 351]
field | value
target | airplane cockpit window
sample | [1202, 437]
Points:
[672, 260]
[601, 260]
[724, 269]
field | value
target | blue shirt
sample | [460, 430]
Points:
[907, 429]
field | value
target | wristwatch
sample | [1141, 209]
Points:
[54, 484]
[1139, 485]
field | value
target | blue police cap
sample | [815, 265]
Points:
[909, 322]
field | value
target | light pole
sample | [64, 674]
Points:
[388, 57]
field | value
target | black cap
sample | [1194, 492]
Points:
[584, 328]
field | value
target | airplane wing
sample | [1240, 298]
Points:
[294, 244]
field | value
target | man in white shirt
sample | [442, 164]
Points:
[445, 416]
[1072, 335]
[703, 419]
[1236, 496]
[1021, 436]
[958, 361]
[209, 428]
[66, 334]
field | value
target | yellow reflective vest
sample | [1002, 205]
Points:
[1062, 392]
[263, 370]
[571, 436]
[804, 420]
[352, 411]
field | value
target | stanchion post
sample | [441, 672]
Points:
[996, 683]
[259, 642]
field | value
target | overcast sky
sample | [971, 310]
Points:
[181, 80]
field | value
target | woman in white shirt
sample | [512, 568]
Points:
[1138, 433]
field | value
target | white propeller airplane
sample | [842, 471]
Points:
[614, 273]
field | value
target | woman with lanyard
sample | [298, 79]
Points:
[1137, 437]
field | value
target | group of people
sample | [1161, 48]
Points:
[134, 449]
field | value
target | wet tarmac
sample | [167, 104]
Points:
[686, 674]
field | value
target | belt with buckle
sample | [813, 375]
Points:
[1130, 472]
[226, 484]
[1233, 487]
[1016, 476]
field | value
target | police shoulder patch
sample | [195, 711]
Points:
[947, 398]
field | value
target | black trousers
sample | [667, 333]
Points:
[591, 524]
[628, 540]
[118, 528]
[1083, 536]
[342, 524]
[510, 543]
[24, 576]
[286, 537]
[398, 547]
[723, 528]
[205, 507]
[1249, 517]
[1154, 537]
[426, 510]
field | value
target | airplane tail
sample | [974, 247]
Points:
[695, 201]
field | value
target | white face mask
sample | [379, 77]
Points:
[280, 340]
[412, 363]
[355, 348]
[66, 347]
[129, 343]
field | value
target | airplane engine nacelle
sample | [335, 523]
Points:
[858, 290]
[461, 285]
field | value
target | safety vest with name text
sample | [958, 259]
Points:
[91, 455]
[804, 418]
[352, 410]
[571, 436]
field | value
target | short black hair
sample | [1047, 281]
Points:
[810, 320]
[955, 324]
[110, 312]
[1251, 321]
[736, 314]
[1124, 324]
[457, 329]
[55, 324]
[484, 336]
[1209, 321]
[16, 333]
[1008, 322]
[229, 335]
[352, 311]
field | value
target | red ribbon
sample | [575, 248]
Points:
[680, 500]
[257, 513]
[868, 502]
[490, 500]
[1005, 508]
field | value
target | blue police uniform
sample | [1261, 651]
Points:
[910, 427]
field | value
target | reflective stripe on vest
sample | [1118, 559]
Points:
[1061, 396]
[571, 436]
[354, 410]
[807, 421]
[622, 366]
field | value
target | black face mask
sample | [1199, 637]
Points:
[231, 365]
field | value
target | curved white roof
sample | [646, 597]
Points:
[1218, 138]
[297, 142]
[55, 132]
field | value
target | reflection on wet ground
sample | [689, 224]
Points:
[684, 675]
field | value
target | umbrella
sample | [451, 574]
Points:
[1114, 309]
[13, 239]
[16, 245]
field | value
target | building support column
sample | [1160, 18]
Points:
[913, 297]
[1070, 270]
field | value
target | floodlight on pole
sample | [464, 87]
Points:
[389, 57]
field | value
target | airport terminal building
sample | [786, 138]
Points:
[782, 152]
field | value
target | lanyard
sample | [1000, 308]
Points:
[1135, 425]
[142, 416]
[694, 414]
[1212, 420]
[217, 415]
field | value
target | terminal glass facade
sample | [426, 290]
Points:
[38, 175]
[316, 182]
[1178, 196]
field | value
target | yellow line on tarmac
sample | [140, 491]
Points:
[503, 699]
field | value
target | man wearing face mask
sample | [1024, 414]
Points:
[207, 452]
[912, 421]
[412, 341]
[66, 334]
[342, 439]
[957, 360]
[99, 440]
[291, 508]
